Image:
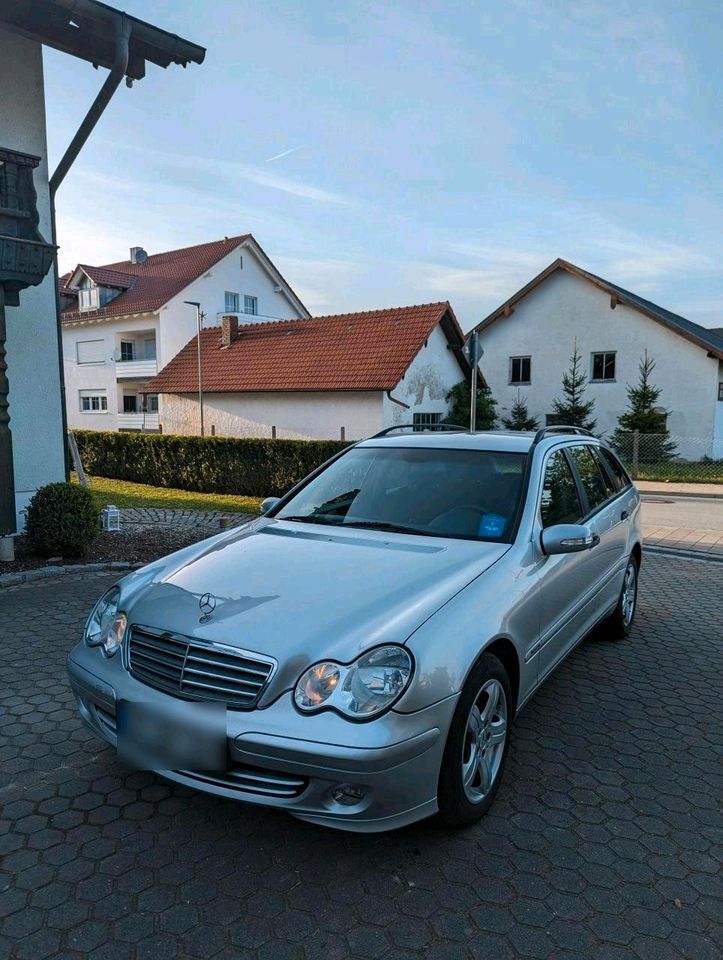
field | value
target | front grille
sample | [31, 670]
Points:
[265, 783]
[197, 670]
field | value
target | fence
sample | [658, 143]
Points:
[657, 456]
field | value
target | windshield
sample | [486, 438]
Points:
[436, 492]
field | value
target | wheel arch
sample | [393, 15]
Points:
[504, 649]
[637, 552]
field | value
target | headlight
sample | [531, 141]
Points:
[360, 690]
[106, 624]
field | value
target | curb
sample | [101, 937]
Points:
[45, 573]
[679, 493]
[683, 554]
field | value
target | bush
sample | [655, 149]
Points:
[251, 467]
[62, 519]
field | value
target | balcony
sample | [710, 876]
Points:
[135, 369]
[147, 422]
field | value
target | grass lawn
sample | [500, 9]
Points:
[125, 494]
[701, 471]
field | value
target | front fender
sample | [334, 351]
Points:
[499, 604]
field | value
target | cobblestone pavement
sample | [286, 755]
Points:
[184, 518]
[604, 842]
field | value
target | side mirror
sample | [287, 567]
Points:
[568, 538]
[269, 503]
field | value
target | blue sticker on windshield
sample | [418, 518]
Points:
[492, 525]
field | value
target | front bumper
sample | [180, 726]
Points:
[278, 758]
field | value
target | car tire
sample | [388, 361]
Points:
[620, 622]
[477, 745]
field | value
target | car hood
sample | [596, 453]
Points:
[300, 593]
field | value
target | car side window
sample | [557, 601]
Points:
[604, 473]
[617, 471]
[560, 502]
[591, 476]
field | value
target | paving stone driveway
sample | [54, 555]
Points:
[604, 843]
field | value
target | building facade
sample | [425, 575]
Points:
[529, 339]
[338, 377]
[32, 342]
[123, 322]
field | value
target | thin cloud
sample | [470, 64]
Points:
[284, 153]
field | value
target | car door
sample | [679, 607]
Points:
[562, 578]
[606, 517]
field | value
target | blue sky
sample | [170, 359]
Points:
[438, 150]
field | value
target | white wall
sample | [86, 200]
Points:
[178, 320]
[718, 424]
[301, 416]
[427, 381]
[98, 376]
[32, 344]
[544, 326]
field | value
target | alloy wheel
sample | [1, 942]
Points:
[629, 594]
[484, 741]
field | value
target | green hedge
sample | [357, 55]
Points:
[251, 467]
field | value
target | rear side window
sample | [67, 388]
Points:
[591, 476]
[607, 479]
[615, 468]
[560, 502]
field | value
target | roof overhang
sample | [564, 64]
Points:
[87, 29]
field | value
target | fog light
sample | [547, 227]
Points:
[348, 794]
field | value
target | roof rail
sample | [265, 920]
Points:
[416, 427]
[559, 428]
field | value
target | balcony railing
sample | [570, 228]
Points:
[138, 421]
[136, 369]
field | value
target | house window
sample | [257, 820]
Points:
[422, 421]
[149, 344]
[241, 262]
[127, 351]
[232, 301]
[720, 390]
[251, 305]
[552, 420]
[90, 351]
[603, 367]
[89, 298]
[152, 403]
[130, 403]
[520, 369]
[93, 401]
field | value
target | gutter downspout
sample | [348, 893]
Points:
[394, 400]
[105, 94]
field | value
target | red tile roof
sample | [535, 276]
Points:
[156, 281]
[108, 278]
[349, 351]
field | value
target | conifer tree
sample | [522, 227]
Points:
[644, 414]
[573, 410]
[519, 418]
[460, 402]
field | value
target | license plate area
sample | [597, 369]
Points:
[173, 735]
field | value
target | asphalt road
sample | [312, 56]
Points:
[684, 523]
[604, 843]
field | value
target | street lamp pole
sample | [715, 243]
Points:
[199, 318]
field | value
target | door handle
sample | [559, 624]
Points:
[624, 515]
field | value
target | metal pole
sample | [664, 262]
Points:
[473, 386]
[7, 482]
[199, 316]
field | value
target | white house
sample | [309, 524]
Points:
[528, 340]
[122, 322]
[337, 377]
[99, 34]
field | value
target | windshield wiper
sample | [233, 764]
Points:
[312, 519]
[384, 525]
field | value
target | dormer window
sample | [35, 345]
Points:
[89, 298]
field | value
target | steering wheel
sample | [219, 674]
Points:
[469, 508]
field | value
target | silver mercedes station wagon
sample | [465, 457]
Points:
[357, 654]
